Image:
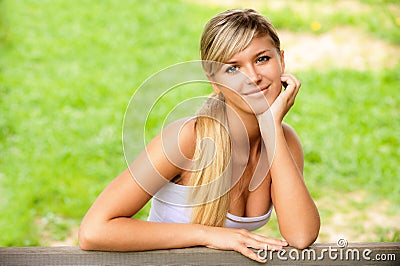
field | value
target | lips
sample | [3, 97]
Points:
[258, 90]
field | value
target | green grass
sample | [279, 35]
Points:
[67, 76]
[69, 68]
[378, 18]
[348, 122]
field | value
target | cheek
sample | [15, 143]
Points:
[233, 83]
[273, 70]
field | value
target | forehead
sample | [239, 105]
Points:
[256, 45]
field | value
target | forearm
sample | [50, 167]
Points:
[127, 234]
[297, 214]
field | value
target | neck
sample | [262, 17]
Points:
[246, 141]
[244, 126]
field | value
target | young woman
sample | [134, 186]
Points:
[253, 164]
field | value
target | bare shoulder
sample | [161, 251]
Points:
[294, 144]
[187, 138]
[290, 133]
[179, 138]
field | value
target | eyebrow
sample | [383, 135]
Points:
[257, 55]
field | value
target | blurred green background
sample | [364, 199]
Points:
[69, 68]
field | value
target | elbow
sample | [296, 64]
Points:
[87, 238]
[302, 240]
[84, 240]
[301, 243]
[305, 235]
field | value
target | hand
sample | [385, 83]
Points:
[240, 240]
[286, 98]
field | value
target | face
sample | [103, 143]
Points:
[251, 79]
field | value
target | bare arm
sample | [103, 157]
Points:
[297, 214]
[108, 224]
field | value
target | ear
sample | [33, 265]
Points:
[283, 60]
[213, 84]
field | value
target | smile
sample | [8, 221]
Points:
[257, 91]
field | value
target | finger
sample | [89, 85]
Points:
[261, 242]
[293, 86]
[250, 254]
[270, 241]
[292, 78]
[265, 245]
[291, 81]
[290, 88]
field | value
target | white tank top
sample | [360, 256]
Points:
[169, 205]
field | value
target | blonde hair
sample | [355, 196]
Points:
[224, 35]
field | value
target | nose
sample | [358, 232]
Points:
[253, 75]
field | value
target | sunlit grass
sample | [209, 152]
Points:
[68, 70]
[378, 18]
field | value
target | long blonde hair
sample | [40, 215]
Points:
[224, 35]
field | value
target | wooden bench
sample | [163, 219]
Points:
[317, 254]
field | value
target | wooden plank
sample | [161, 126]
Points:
[321, 254]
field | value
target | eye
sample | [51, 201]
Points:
[231, 69]
[264, 58]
